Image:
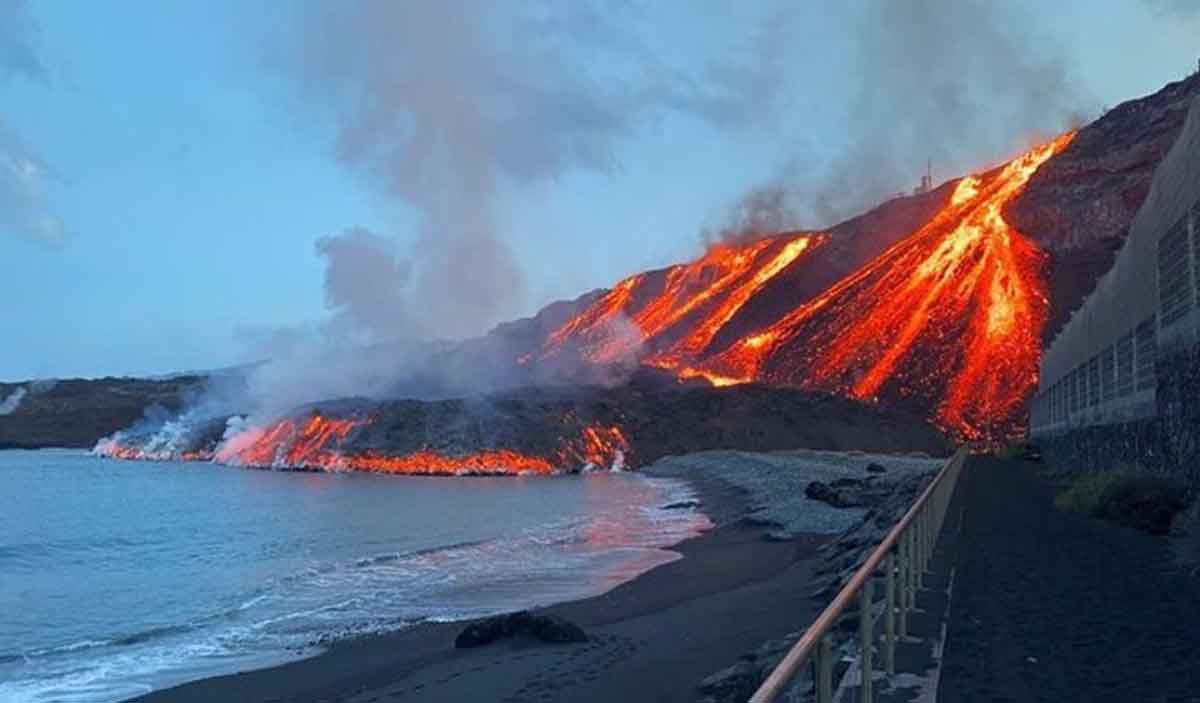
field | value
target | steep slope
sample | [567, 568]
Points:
[541, 430]
[946, 321]
[1079, 205]
[937, 303]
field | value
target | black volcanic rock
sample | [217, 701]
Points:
[544, 628]
[824, 493]
[658, 420]
[77, 413]
[1079, 204]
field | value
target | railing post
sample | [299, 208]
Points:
[920, 539]
[865, 630]
[889, 625]
[910, 536]
[823, 665]
[902, 546]
[905, 552]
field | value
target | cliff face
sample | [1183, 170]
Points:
[1091, 190]
[77, 412]
[1079, 205]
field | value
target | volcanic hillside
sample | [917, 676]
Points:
[935, 303]
[535, 430]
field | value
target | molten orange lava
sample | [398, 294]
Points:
[679, 311]
[946, 322]
[317, 444]
[950, 316]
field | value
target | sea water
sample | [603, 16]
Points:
[118, 578]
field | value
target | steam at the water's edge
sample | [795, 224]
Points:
[325, 443]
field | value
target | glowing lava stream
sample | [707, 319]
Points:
[318, 443]
[699, 297]
[951, 315]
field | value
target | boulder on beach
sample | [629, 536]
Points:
[823, 492]
[545, 628]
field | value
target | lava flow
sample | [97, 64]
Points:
[326, 443]
[678, 311]
[948, 320]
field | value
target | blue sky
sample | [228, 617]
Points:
[194, 153]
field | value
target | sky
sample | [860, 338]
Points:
[184, 183]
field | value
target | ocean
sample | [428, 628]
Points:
[118, 578]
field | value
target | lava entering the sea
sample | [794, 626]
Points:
[325, 443]
[946, 322]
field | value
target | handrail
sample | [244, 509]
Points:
[925, 517]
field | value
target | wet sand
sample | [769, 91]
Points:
[651, 639]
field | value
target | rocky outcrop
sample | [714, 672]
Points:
[78, 412]
[544, 628]
[841, 557]
[634, 424]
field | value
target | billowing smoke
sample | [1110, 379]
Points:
[762, 211]
[23, 210]
[952, 81]
[960, 83]
[10, 404]
[437, 106]
[366, 286]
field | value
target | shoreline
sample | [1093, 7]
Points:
[648, 639]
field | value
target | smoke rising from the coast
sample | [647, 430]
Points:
[9, 405]
[944, 80]
[437, 106]
[956, 82]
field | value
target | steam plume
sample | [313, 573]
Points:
[13, 401]
[439, 103]
[437, 106]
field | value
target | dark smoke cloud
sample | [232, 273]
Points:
[23, 210]
[762, 211]
[366, 282]
[957, 82]
[946, 80]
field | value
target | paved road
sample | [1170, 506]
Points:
[1050, 606]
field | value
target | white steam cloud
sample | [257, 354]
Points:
[12, 402]
[437, 103]
[437, 106]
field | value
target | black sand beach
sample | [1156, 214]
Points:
[652, 639]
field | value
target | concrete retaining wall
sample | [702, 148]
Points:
[1120, 385]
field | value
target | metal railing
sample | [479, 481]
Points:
[904, 555]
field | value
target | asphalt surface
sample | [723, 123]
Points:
[1052, 606]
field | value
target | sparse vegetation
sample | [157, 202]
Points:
[1147, 503]
[1008, 451]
